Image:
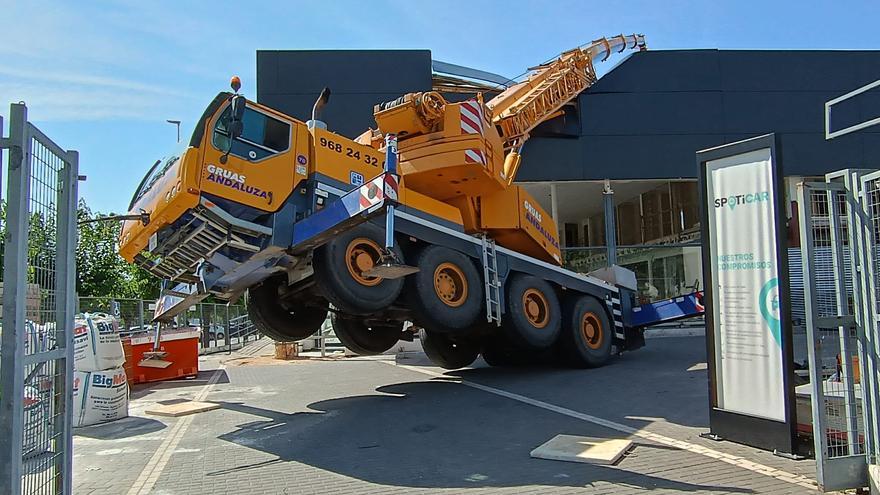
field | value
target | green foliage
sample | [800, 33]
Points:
[101, 272]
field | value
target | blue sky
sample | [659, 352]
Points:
[102, 77]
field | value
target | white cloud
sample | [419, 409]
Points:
[72, 78]
[51, 102]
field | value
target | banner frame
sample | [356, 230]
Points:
[777, 436]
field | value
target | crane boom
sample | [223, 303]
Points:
[467, 153]
[521, 107]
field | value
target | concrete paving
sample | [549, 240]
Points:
[386, 425]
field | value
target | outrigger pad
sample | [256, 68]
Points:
[390, 270]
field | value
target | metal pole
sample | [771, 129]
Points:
[66, 287]
[868, 330]
[177, 123]
[4, 143]
[820, 440]
[610, 227]
[141, 314]
[847, 376]
[226, 330]
[391, 167]
[14, 278]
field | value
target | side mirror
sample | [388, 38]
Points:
[236, 124]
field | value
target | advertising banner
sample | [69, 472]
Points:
[745, 269]
[743, 247]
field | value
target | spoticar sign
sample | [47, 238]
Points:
[745, 271]
[743, 253]
[742, 199]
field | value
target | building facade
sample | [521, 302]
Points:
[638, 128]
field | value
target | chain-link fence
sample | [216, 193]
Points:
[223, 327]
[840, 313]
[39, 234]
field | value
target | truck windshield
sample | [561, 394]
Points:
[156, 171]
[261, 136]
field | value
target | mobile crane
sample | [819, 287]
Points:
[417, 220]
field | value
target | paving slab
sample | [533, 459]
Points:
[589, 450]
[181, 408]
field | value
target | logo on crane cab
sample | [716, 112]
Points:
[533, 211]
[233, 180]
[535, 218]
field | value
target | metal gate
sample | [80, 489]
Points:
[837, 223]
[36, 354]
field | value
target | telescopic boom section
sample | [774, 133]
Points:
[521, 107]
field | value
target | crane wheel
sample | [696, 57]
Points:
[533, 318]
[339, 271]
[283, 320]
[447, 353]
[362, 338]
[446, 294]
[587, 333]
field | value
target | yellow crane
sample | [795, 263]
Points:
[260, 202]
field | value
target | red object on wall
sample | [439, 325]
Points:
[181, 346]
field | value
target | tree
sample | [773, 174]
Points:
[101, 272]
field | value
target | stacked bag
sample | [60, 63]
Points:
[100, 389]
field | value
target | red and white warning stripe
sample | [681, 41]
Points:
[391, 186]
[699, 302]
[474, 156]
[471, 117]
[382, 187]
[370, 194]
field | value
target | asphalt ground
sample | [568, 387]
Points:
[396, 424]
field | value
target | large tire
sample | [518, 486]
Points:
[279, 319]
[339, 265]
[533, 317]
[586, 334]
[447, 353]
[362, 339]
[446, 294]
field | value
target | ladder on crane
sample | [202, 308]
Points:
[493, 285]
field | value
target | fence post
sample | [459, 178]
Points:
[65, 310]
[15, 283]
[141, 314]
[610, 227]
[227, 332]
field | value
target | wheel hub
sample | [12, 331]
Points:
[591, 329]
[450, 284]
[536, 308]
[361, 255]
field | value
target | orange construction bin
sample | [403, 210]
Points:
[182, 350]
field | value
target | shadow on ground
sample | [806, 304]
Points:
[663, 380]
[122, 428]
[142, 390]
[432, 434]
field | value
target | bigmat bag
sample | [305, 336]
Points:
[96, 344]
[99, 396]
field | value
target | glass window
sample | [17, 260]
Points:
[155, 173]
[261, 136]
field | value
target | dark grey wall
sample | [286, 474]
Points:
[644, 119]
[648, 116]
[291, 80]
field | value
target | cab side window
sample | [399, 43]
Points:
[262, 135]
